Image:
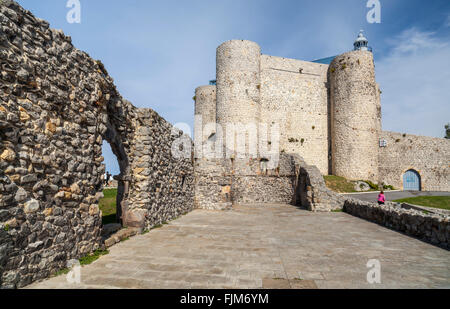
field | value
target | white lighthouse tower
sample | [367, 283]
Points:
[361, 42]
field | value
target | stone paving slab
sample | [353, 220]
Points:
[276, 246]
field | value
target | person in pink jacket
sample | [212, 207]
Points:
[381, 198]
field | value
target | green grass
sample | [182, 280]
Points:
[108, 206]
[441, 202]
[61, 272]
[339, 184]
[89, 259]
[342, 185]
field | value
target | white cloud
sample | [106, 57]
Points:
[414, 78]
[414, 40]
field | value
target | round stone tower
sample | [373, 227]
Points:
[238, 85]
[205, 105]
[355, 125]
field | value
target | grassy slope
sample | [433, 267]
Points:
[441, 202]
[339, 184]
[108, 206]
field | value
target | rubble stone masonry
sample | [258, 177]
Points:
[57, 106]
[428, 156]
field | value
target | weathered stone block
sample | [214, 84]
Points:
[8, 155]
[31, 206]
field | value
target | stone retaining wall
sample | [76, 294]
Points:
[432, 228]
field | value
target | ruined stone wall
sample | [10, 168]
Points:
[222, 183]
[254, 181]
[57, 105]
[430, 157]
[312, 192]
[431, 228]
[355, 109]
[213, 184]
[161, 186]
[294, 95]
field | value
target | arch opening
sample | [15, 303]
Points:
[108, 204]
[412, 181]
[121, 180]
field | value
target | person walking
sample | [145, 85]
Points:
[381, 198]
[108, 176]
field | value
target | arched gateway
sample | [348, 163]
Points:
[412, 181]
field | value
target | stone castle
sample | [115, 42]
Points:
[328, 114]
[58, 106]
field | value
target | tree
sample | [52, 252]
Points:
[447, 131]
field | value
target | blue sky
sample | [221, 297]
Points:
[158, 52]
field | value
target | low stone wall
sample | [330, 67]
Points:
[219, 184]
[438, 211]
[431, 228]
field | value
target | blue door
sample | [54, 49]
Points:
[411, 181]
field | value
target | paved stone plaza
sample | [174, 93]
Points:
[276, 246]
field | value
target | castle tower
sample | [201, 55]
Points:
[238, 86]
[355, 123]
[205, 106]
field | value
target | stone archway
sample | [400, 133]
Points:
[412, 181]
[112, 137]
[117, 129]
